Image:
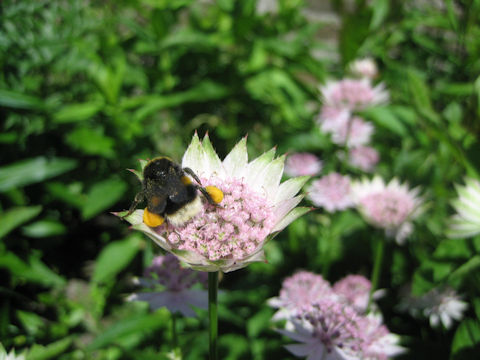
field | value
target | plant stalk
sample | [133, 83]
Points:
[213, 314]
[377, 266]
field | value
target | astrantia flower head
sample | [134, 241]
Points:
[298, 291]
[389, 206]
[332, 118]
[380, 343]
[354, 290]
[353, 94]
[327, 330]
[353, 132]
[301, 164]
[364, 68]
[440, 305]
[364, 158]
[255, 207]
[176, 282]
[9, 356]
[331, 192]
[326, 324]
[466, 222]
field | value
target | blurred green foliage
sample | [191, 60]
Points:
[86, 88]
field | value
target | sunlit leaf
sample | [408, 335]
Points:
[17, 216]
[102, 196]
[115, 257]
[44, 228]
[33, 170]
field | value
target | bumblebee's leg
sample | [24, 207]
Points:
[213, 194]
[193, 175]
[207, 195]
[138, 199]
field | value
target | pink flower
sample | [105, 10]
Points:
[327, 330]
[177, 295]
[353, 94]
[301, 164]
[325, 323]
[354, 290]
[380, 343]
[300, 290]
[353, 132]
[332, 118]
[331, 192]
[364, 158]
[387, 206]
[255, 207]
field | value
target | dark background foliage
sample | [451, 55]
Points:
[89, 87]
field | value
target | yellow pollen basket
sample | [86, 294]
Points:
[215, 193]
[186, 180]
[151, 219]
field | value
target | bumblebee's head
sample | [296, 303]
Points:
[160, 167]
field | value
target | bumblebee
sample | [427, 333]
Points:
[170, 194]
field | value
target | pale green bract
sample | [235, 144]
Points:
[10, 356]
[262, 175]
[466, 222]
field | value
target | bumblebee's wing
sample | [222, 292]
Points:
[155, 195]
[177, 191]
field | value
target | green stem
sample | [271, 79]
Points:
[212, 314]
[174, 331]
[377, 266]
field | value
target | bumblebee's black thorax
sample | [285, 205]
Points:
[164, 187]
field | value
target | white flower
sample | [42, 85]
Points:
[440, 305]
[387, 206]
[267, 7]
[466, 222]
[364, 68]
[255, 207]
[10, 356]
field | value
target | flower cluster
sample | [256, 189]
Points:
[255, 207]
[439, 305]
[331, 322]
[175, 283]
[331, 192]
[301, 164]
[466, 222]
[389, 206]
[341, 101]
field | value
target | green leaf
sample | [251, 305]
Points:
[33, 170]
[15, 217]
[453, 249]
[466, 341]
[146, 323]
[420, 94]
[470, 267]
[44, 228]
[259, 322]
[77, 112]
[384, 117]
[16, 100]
[51, 351]
[70, 194]
[102, 196]
[35, 271]
[30, 321]
[91, 141]
[380, 10]
[115, 257]
[204, 91]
